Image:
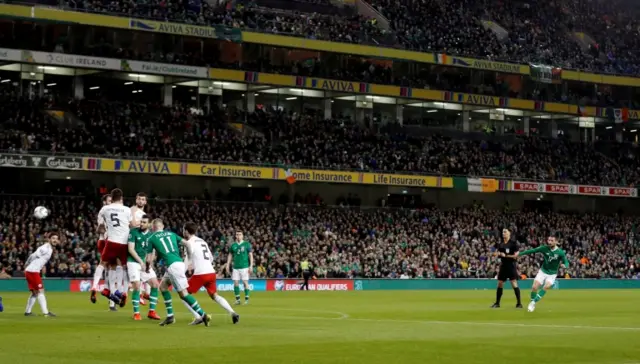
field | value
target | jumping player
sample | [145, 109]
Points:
[139, 271]
[137, 211]
[35, 265]
[242, 266]
[117, 218]
[166, 244]
[548, 271]
[507, 250]
[199, 259]
[110, 274]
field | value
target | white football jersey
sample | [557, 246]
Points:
[117, 218]
[39, 258]
[200, 256]
[101, 221]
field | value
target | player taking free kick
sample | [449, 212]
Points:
[548, 271]
[242, 256]
[35, 264]
[199, 260]
[139, 271]
[165, 243]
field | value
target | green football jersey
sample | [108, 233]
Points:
[139, 238]
[552, 258]
[167, 245]
[240, 252]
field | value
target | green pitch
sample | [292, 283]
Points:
[335, 327]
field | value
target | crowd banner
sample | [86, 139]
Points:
[226, 285]
[164, 69]
[566, 189]
[546, 74]
[486, 185]
[70, 60]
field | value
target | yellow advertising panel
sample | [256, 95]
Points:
[385, 179]
[58, 15]
[310, 175]
[230, 171]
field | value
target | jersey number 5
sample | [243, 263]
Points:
[114, 219]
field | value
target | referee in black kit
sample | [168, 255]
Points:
[507, 249]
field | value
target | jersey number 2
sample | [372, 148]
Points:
[205, 251]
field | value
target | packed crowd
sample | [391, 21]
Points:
[539, 32]
[305, 140]
[340, 242]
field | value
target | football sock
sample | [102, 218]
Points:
[498, 295]
[42, 300]
[119, 278]
[166, 295]
[194, 304]
[236, 292]
[539, 296]
[135, 301]
[30, 302]
[517, 292]
[193, 312]
[153, 299]
[97, 275]
[223, 303]
[246, 293]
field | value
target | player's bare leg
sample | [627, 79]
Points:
[153, 299]
[246, 291]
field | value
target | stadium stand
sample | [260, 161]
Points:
[340, 241]
[535, 32]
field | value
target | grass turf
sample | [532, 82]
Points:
[335, 327]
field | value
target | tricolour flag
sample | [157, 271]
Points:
[291, 179]
[621, 115]
[441, 58]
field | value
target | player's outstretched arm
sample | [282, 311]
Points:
[533, 251]
[565, 260]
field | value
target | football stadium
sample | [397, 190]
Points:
[319, 181]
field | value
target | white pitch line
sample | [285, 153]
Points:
[346, 317]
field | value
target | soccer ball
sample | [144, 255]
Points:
[40, 212]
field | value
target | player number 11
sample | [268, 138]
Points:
[164, 245]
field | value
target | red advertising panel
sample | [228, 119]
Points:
[314, 285]
[622, 191]
[557, 188]
[528, 187]
[590, 190]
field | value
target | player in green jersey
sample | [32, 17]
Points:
[242, 256]
[139, 270]
[166, 245]
[548, 271]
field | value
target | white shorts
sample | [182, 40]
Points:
[240, 274]
[176, 273]
[544, 278]
[137, 274]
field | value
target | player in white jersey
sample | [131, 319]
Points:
[137, 211]
[200, 260]
[110, 274]
[34, 266]
[117, 218]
